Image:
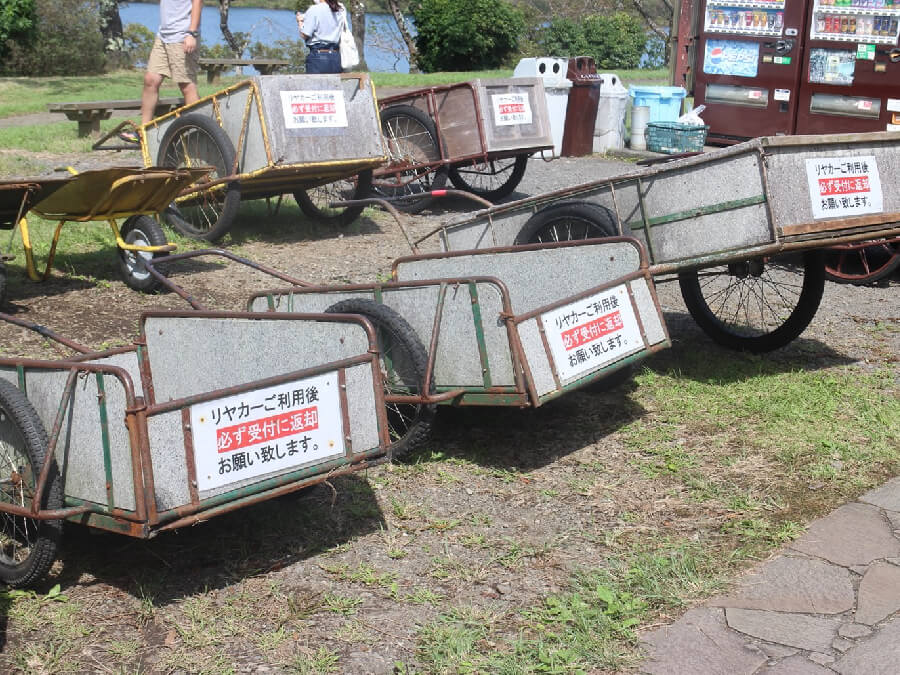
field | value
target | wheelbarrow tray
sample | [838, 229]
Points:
[513, 326]
[289, 132]
[299, 400]
[755, 198]
[18, 195]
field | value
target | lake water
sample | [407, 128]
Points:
[384, 52]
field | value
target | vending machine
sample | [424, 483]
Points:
[772, 67]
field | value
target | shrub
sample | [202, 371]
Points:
[67, 41]
[460, 35]
[291, 50]
[614, 41]
[17, 22]
[138, 42]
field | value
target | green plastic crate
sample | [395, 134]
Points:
[674, 137]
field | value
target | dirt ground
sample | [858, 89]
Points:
[496, 514]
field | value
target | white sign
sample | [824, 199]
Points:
[843, 186]
[313, 109]
[266, 430]
[511, 109]
[590, 333]
[782, 94]
[893, 104]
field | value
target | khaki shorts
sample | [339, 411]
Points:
[169, 60]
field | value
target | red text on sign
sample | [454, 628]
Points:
[592, 330]
[843, 186]
[267, 429]
[319, 108]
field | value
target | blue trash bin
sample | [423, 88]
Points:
[664, 102]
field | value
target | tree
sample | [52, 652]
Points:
[236, 47]
[408, 38]
[111, 26]
[465, 34]
[18, 19]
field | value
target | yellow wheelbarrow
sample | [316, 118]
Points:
[105, 194]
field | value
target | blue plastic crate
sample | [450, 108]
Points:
[664, 102]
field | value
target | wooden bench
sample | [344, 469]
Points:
[215, 67]
[89, 113]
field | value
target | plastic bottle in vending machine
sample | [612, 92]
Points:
[779, 20]
[852, 26]
[845, 24]
[895, 24]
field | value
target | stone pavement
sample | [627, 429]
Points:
[827, 603]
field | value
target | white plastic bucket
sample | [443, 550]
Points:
[640, 115]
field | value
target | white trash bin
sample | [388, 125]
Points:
[609, 130]
[552, 70]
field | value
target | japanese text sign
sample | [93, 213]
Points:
[266, 430]
[590, 333]
[313, 109]
[844, 186]
[511, 109]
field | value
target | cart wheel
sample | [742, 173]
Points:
[314, 202]
[491, 180]
[27, 546]
[851, 264]
[403, 365]
[756, 305]
[197, 140]
[3, 276]
[143, 231]
[413, 168]
[568, 221]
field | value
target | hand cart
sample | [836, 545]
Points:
[479, 134]
[300, 401]
[264, 137]
[106, 194]
[862, 263]
[743, 227]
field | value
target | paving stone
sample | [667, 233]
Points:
[776, 652]
[794, 630]
[853, 534]
[854, 630]
[879, 593]
[789, 584]
[887, 496]
[795, 665]
[700, 642]
[842, 645]
[879, 655]
[823, 659]
[859, 569]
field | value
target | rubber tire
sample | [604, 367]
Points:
[337, 217]
[804, 310]
[19, 412]
[438, 179]
[499, 192]
[4, 275]
[387, 320]
[833, 259]
[597, 221]
[229, 206]
[146, 231]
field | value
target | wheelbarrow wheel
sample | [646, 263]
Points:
[314, 202]
[491, 180]
[852, 264]
[27, 545]
[413, 159]
[403, 366]
[756, 305]
[568, 221]
[195, 140]
[141, 231]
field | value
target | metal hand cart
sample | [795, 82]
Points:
[264, 137]
[300, 401]
[862, 263]
[106, 194]
[479, 134]
[743, 227]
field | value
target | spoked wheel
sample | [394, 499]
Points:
[756, 305]
[403, 364]
[141, 231]
[413, 152]
[568, 221]
[195, 140]
[491, 180]
[863, 263]
[27, 546]
[314, 202]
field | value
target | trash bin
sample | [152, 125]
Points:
[552, 70]
[664, 102]
[609, 131]
[581, 113]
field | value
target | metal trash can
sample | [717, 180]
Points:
[552, 70]
[609, 131]
[581, 113]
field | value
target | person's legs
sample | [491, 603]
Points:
[157, 70]
[184, 71]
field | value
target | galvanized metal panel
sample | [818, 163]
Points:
[536, 356]
[361, 408]
[165, 435]
[654, 328]
[709, 234]
[498, 138]
[311, 303]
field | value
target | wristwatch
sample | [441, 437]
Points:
[194, 33]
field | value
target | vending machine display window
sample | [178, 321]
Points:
[876, 21]
[831, 66]
[746, 17]
[731, 57]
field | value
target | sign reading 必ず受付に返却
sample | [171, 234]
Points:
[841, 187]
[267, 430]
[313, 109]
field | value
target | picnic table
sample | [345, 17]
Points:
[215, 67]
[89, 113]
